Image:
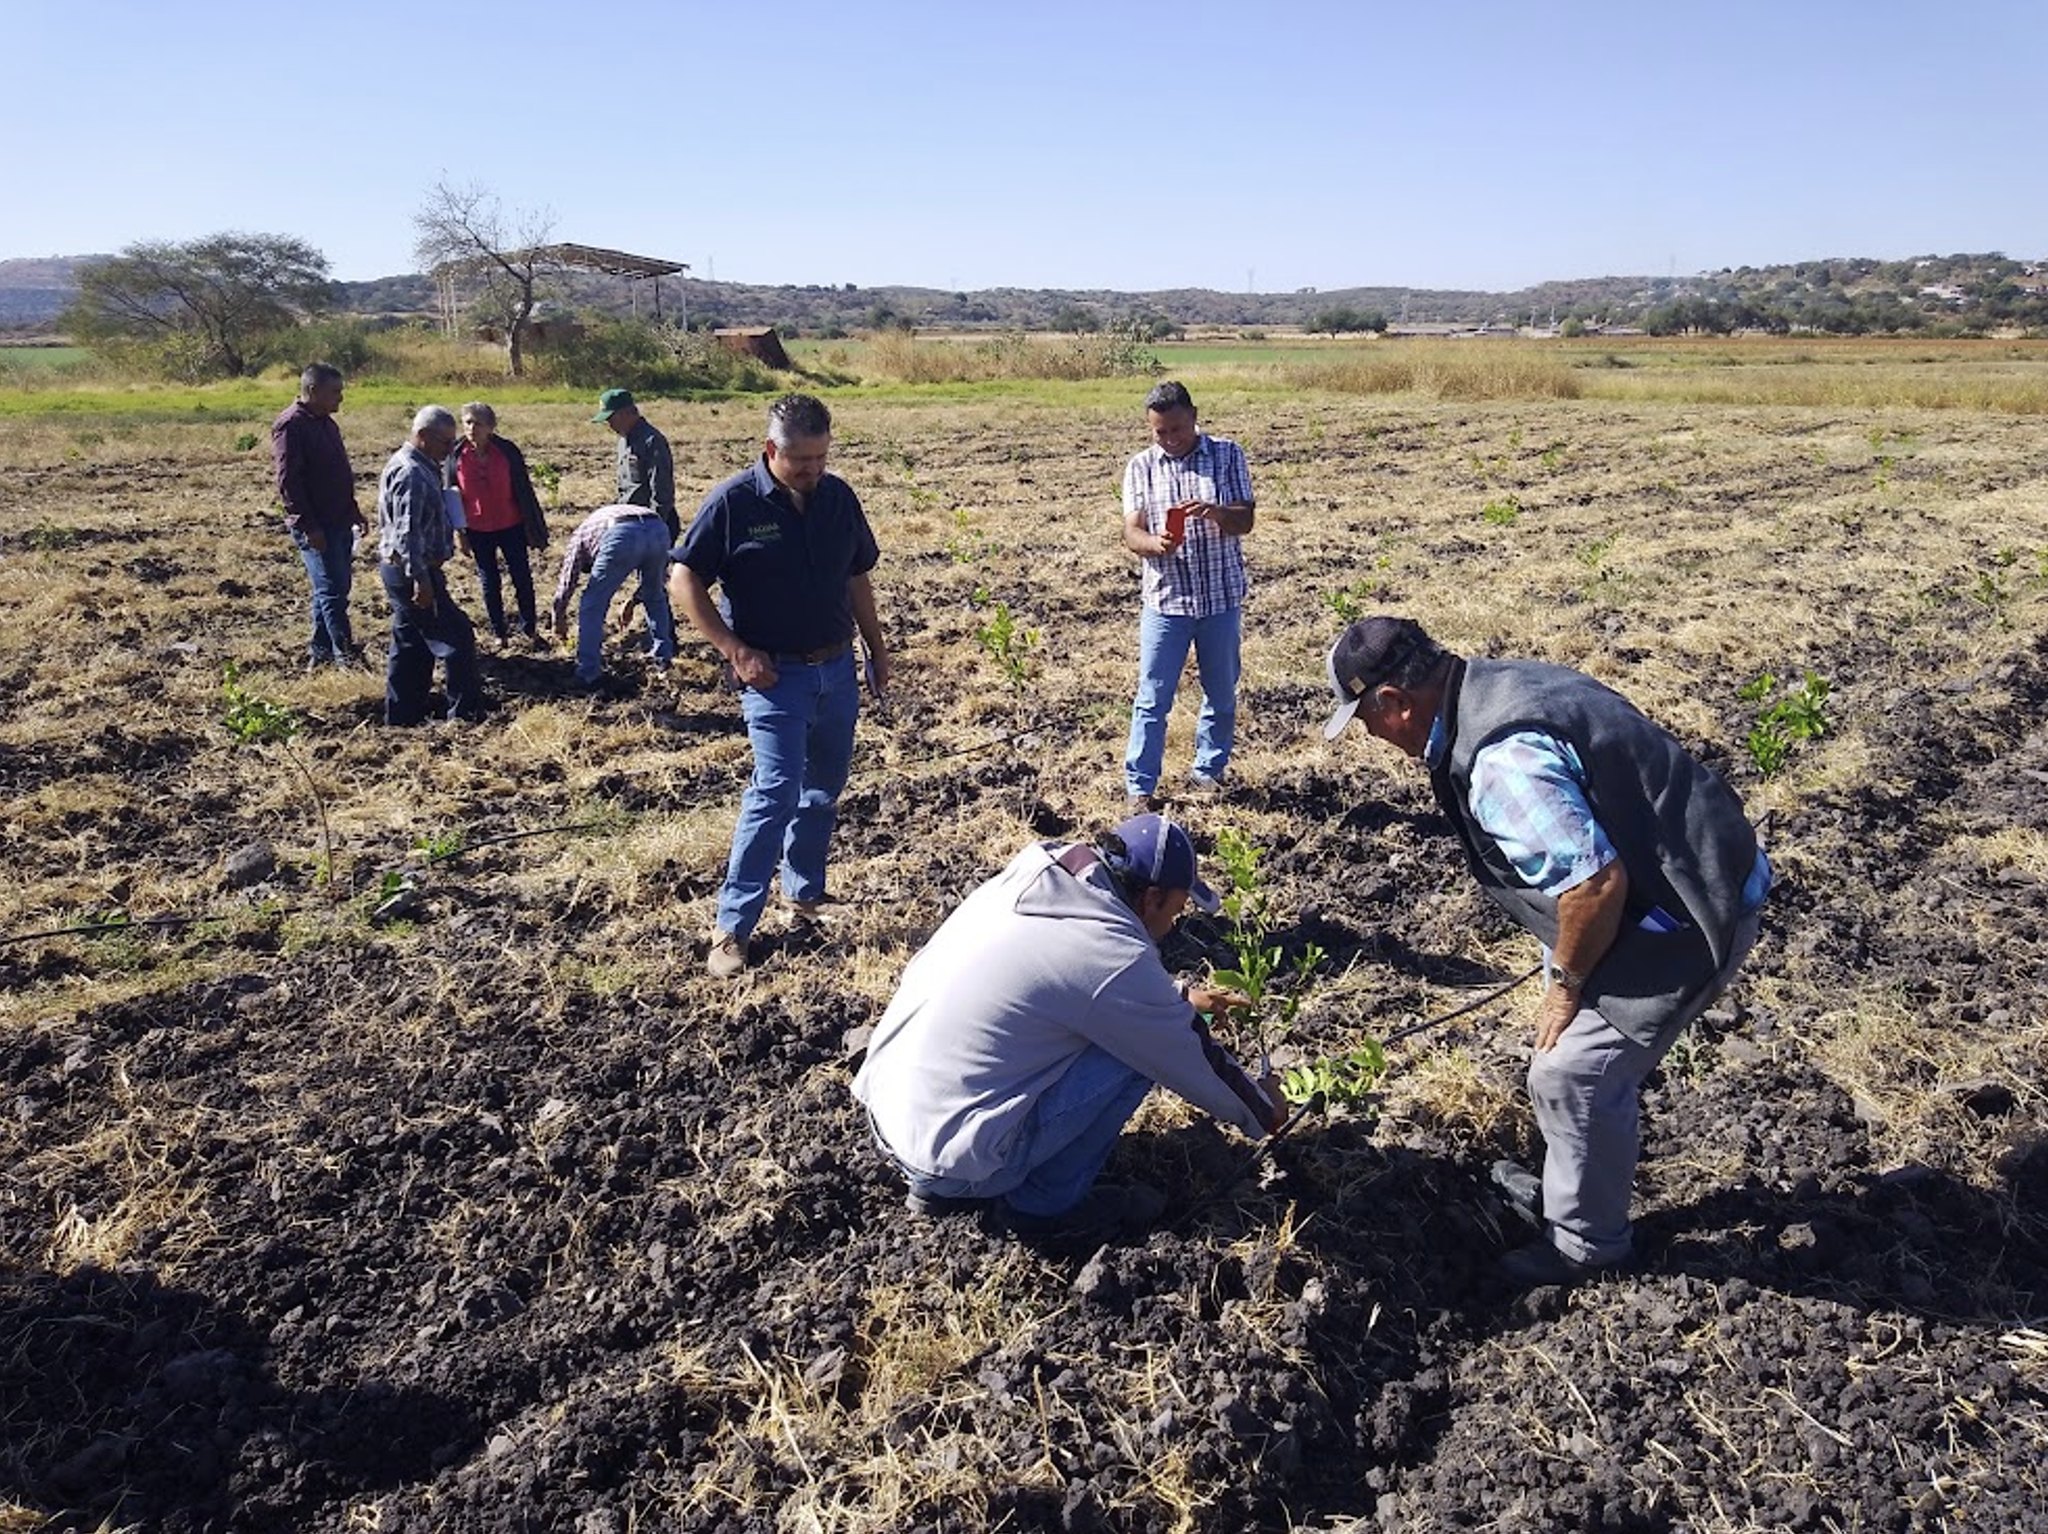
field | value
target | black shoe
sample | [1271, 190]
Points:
[932, 1206]
[1540, 1264]
[1521, 1190]
[1110, 1209]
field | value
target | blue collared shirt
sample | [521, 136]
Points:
[1528, 792]
[783, 573]
[413, 531]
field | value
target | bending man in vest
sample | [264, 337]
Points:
[1032, 1025]
[1646, 905]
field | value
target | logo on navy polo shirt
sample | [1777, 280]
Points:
[765, 532]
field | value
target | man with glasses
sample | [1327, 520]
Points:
[790, 550]
[414, 540]
[1630, 861]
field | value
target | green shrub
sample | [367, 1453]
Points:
[343, 343]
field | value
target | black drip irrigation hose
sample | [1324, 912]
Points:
[1316, 1104]
[1471, 1006]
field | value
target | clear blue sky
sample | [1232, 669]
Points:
[1056, 144]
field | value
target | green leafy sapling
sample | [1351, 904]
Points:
[1260, 965]
[1781, 728]
[1007, 642]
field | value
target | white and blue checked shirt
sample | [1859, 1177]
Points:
[1528, 792]
[1205, 575]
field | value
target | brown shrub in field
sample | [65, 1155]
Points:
[899, 355]
[1452, 370]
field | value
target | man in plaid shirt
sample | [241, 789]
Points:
[1187, 507]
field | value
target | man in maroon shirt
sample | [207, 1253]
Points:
[318, 489]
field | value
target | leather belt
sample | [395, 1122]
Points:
[813, 657]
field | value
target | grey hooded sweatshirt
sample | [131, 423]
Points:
[1034, 967]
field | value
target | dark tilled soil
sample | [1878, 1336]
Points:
[407, 1231]
[484, 1268]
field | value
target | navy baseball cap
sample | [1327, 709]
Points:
[1158, 853]
[1365, 655]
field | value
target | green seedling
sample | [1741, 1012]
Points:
[549, 478]
[255, 720]
[1782, 727]
[1501, 513]
[1346, 1079]
[48, 537]
[966, 546]
[1260, 964]
[246, 442]
[1008, 643]
[442, 846]
[1349, 603]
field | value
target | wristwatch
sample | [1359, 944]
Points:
[1556, 974]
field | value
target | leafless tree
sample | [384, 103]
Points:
[495, 254]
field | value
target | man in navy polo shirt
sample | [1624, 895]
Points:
[790, 550]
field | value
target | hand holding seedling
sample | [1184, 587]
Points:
[1210, 1000]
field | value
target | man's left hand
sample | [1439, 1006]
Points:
[1560, 1006]
[561, 615]
[878, 672]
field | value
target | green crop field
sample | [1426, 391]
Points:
[41, 356]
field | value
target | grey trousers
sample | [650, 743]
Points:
[1586, 1090]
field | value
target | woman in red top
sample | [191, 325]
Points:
[503, 513]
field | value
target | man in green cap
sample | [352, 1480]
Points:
[647, 470]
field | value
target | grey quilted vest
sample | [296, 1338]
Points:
[1678, 829]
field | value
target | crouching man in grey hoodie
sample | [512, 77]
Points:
[1030, 1027]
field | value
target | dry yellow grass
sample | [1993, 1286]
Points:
[1674, 550]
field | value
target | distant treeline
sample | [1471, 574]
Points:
[1940, 295]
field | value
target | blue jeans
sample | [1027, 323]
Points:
[802, 733]
[1061, 1150]
[485, 549]
[1163, 642]
[417, 639]
[638, 546]
[332, 571]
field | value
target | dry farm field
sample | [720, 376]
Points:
[488, 1212]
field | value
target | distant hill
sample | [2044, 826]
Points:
[34, 291]
[1957, 294]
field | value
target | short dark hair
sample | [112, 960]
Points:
[1171, 395]
[796, 417]
[316, 374]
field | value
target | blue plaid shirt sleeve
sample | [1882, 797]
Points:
[1233, 475]
[1528, 793]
